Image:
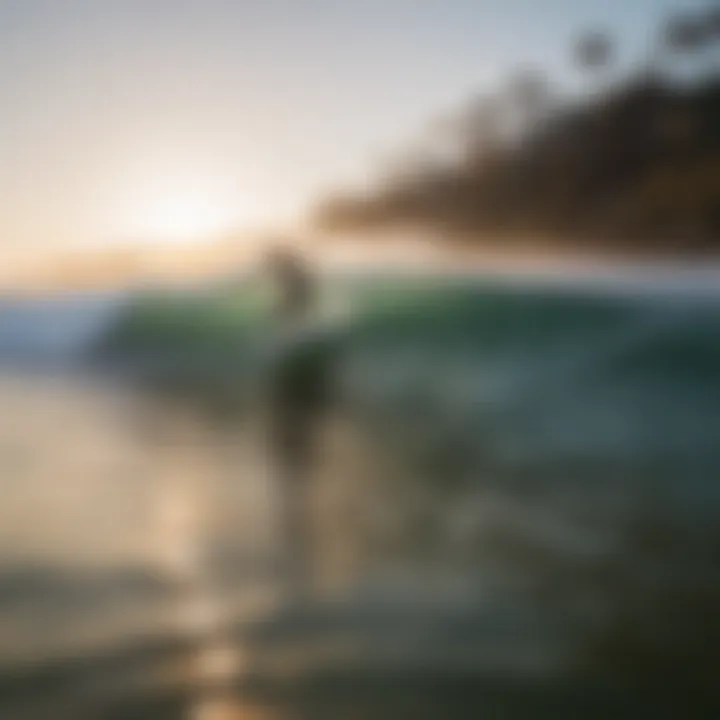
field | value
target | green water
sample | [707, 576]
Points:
[546, 371]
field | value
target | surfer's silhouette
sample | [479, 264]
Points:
[300, 391]
[294, 286]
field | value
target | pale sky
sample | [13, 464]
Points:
[126, 119]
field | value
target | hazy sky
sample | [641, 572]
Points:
[125, 118]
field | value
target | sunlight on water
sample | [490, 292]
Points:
[184, 522]
[227, 709]
[118, 509]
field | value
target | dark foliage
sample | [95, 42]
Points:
[636, 168]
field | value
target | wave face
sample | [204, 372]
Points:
[545, 374]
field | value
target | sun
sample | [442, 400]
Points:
[183, 217]
[180, 208]
[179, 214]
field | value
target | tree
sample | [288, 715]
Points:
[483, 119]
[712, 23]
[683, 38]
[684, 34]
[529, 98]
[594, 55]
[712, 29]
[475, 129]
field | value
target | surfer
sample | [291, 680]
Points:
[294, 286]
[300, 392]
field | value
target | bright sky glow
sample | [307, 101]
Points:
[163, 120]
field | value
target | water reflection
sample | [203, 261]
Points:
[184, 529]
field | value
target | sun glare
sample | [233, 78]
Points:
[185, 218]
[178, 209]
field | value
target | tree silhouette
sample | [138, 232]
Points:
[594, 54]
[712, 23]
[684, 34]
[484, 123]
[684, 37]
[639, 162]
[529, 97]
[476, 128]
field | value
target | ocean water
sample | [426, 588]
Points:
[514, 505]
